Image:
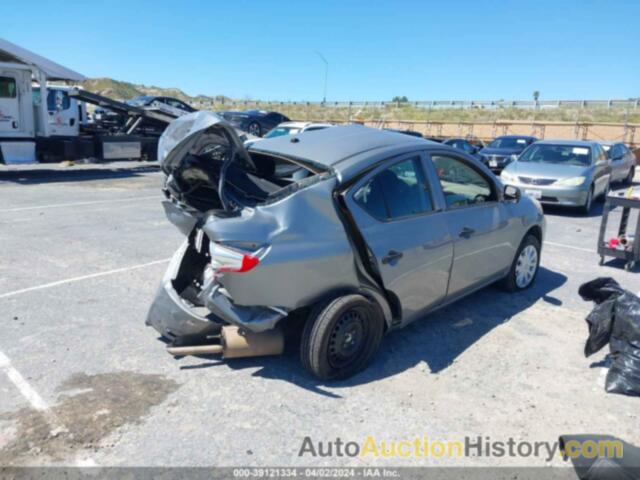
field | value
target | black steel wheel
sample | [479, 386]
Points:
[341, 336]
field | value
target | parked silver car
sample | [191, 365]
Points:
[623, 162]
[354, 231]
[561, 172]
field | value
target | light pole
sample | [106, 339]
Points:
[326, 75]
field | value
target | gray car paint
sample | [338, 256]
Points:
[598, 175]
[620, 165]
[310, 251]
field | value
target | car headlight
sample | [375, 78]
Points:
[507, 177]
[570, 182]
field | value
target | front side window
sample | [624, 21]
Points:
[7, 87]
[396, 192]
[461, 184]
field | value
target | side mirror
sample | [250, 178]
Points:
[512, 193]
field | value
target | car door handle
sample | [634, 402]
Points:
[466, 232]
[391, 256]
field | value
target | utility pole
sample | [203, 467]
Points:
[326, 75]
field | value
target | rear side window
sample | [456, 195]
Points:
[7, 87]
[396, 192]
[461, 184]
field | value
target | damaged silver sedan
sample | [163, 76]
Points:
[352, 231]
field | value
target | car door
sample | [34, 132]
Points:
[9, 103]
[405, 232]
[483, 234]
[63, 113]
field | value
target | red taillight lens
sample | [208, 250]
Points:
[226, 259]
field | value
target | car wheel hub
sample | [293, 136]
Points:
[526, 266]
[347, 338]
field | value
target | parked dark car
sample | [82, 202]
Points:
[413, 133]
[504, 150]
[169, 105]
[472, 148]
[255, 122]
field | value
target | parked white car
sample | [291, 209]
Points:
[291, 128]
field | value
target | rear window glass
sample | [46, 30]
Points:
[510, 142]
[7, 87]
[396, 192]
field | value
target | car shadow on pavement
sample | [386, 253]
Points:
[54, 175]
[437, 340]
[596, 210]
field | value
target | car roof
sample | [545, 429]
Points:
[573, 143]
[333, 146]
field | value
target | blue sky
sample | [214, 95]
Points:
[376, 49]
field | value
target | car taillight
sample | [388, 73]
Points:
[226, 259]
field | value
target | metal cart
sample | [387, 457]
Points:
[631, 255]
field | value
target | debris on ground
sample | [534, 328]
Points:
[615, 320]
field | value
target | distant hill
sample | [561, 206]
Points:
[120, 90]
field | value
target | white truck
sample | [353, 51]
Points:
[42, 119]
[33, 123]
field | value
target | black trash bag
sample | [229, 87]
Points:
[600, 289]
[615, 320]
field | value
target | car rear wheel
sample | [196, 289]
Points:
[524, 268]
[254, 129]
[341, 336]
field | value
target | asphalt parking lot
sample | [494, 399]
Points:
[84, 382]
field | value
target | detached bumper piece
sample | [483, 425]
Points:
[237, 342]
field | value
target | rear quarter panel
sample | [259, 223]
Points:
[309, 254]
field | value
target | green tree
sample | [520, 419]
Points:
[402, 99]
[536, 95]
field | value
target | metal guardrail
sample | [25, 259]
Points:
[429, 104]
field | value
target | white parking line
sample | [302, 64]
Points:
[79, 204]
[83, 277]
[38, 403]
[570, 247]
[35, 400]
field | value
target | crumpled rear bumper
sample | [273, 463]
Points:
[171, 316]
[174, 318]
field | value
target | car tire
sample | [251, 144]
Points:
[629, 179]
[524, 268]
[341, 336]
[254, 129]
[586, 208]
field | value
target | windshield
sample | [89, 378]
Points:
[140, 101]
[559, 154]
[280, 131]
[509, 142]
